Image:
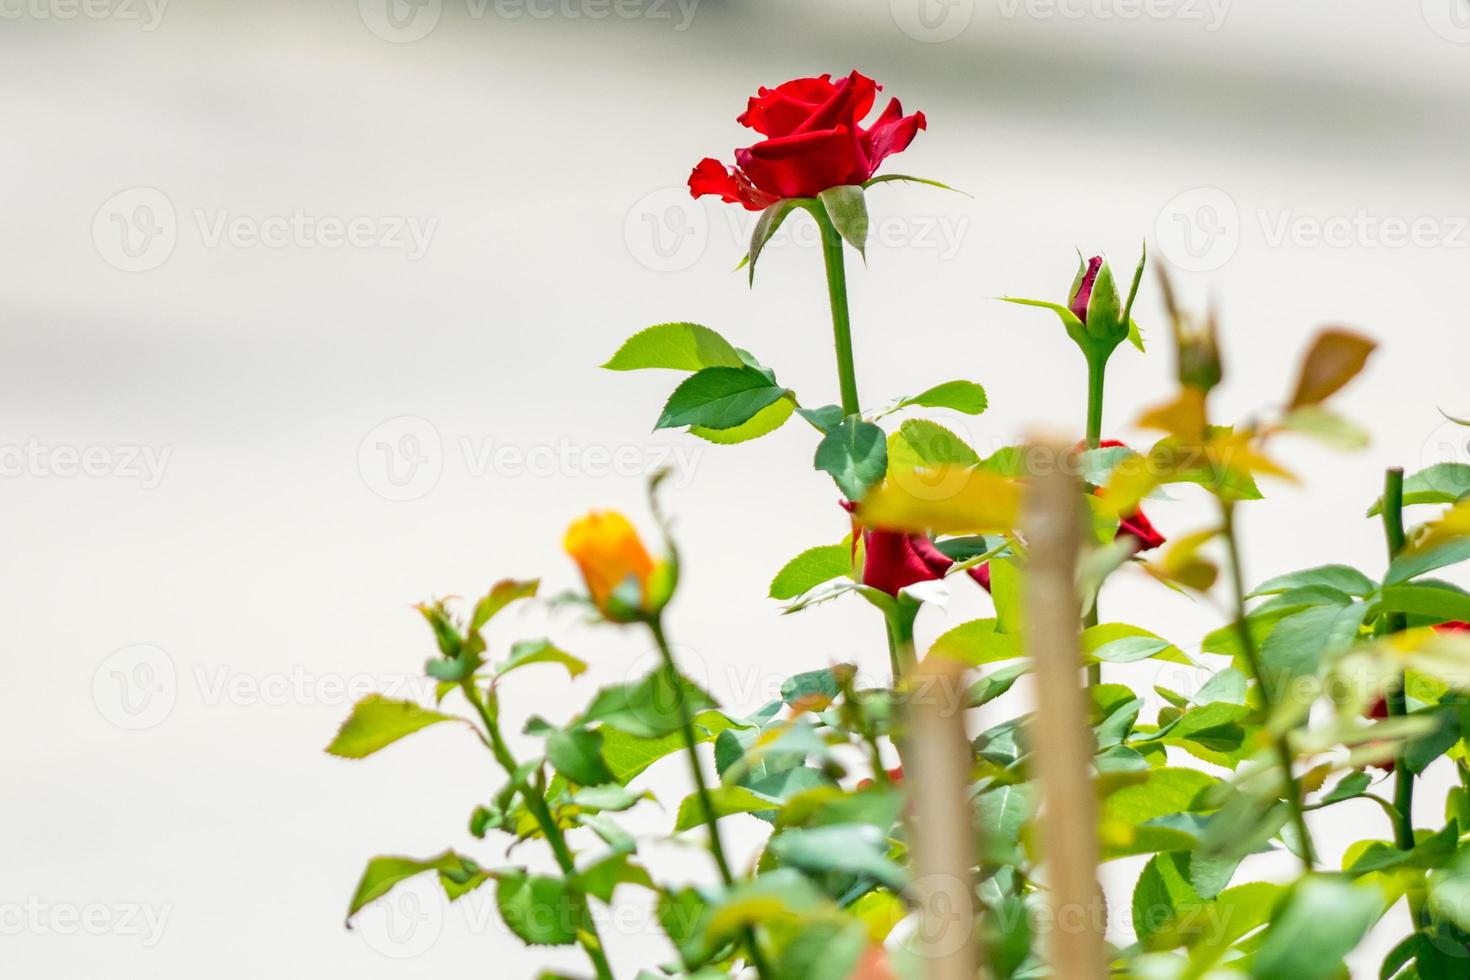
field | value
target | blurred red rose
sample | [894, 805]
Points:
[816, 140]
[1379, 708]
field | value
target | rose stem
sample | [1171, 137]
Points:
[1097, 368]
[686, 724]
[837, 296]
[587, 934]
[1293, 790]
[1398, 703]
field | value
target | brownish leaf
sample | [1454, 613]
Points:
[1335, 358]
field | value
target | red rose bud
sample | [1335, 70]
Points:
[816, 140]
[1454, 626]
[1082, 290]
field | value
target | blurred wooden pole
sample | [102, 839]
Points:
[1063, 742]
[942, 834]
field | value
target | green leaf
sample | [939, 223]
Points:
[647, 708]
[1000, 813]
[961, 396]
[1135, 336]
[1434, 601]
[383, 873]
[679, 346]
[502, 594]
[919, 444]
[810, 569]
[719, 398]
[540, 910]
[849, 213]
[1121, 643]
[779, 897]
[376, 722]
[975, 643]
[1352, 785]
[762, 423]
[1320, 922]
[821, 683]
[765, 226]
[629, 755]
[913, 180]
[682, 915]
[1326, 426]
[858, 849]
[1442, 483]
[725, 800]
[1165, 905]
[1239, 911]
[1160, 793]
[1340, 577]
[1302, 644]
[1097, 465]
[823, 419]
[608, 796]
[577, 755]
[1074, 326]
[1412, 564]
[542, 651]
[825, 951]
[855, 454]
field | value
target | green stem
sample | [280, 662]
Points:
[587, 935]
[706, 802]
[1097, 367]
[837, 296]
[1292, 789]
[902, 658]
[1398, 702]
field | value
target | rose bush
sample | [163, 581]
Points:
[1324, 695]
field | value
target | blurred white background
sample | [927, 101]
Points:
[289, 438]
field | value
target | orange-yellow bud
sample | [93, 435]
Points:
[606, 547]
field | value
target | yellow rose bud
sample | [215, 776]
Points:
[606, 547]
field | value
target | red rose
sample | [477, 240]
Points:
[893, 560]
[816, 141]
[1137, 523]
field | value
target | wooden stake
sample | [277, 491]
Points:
[1062, 740]
[942, 825]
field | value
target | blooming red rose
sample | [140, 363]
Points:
[816, 140]
[893, 560]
